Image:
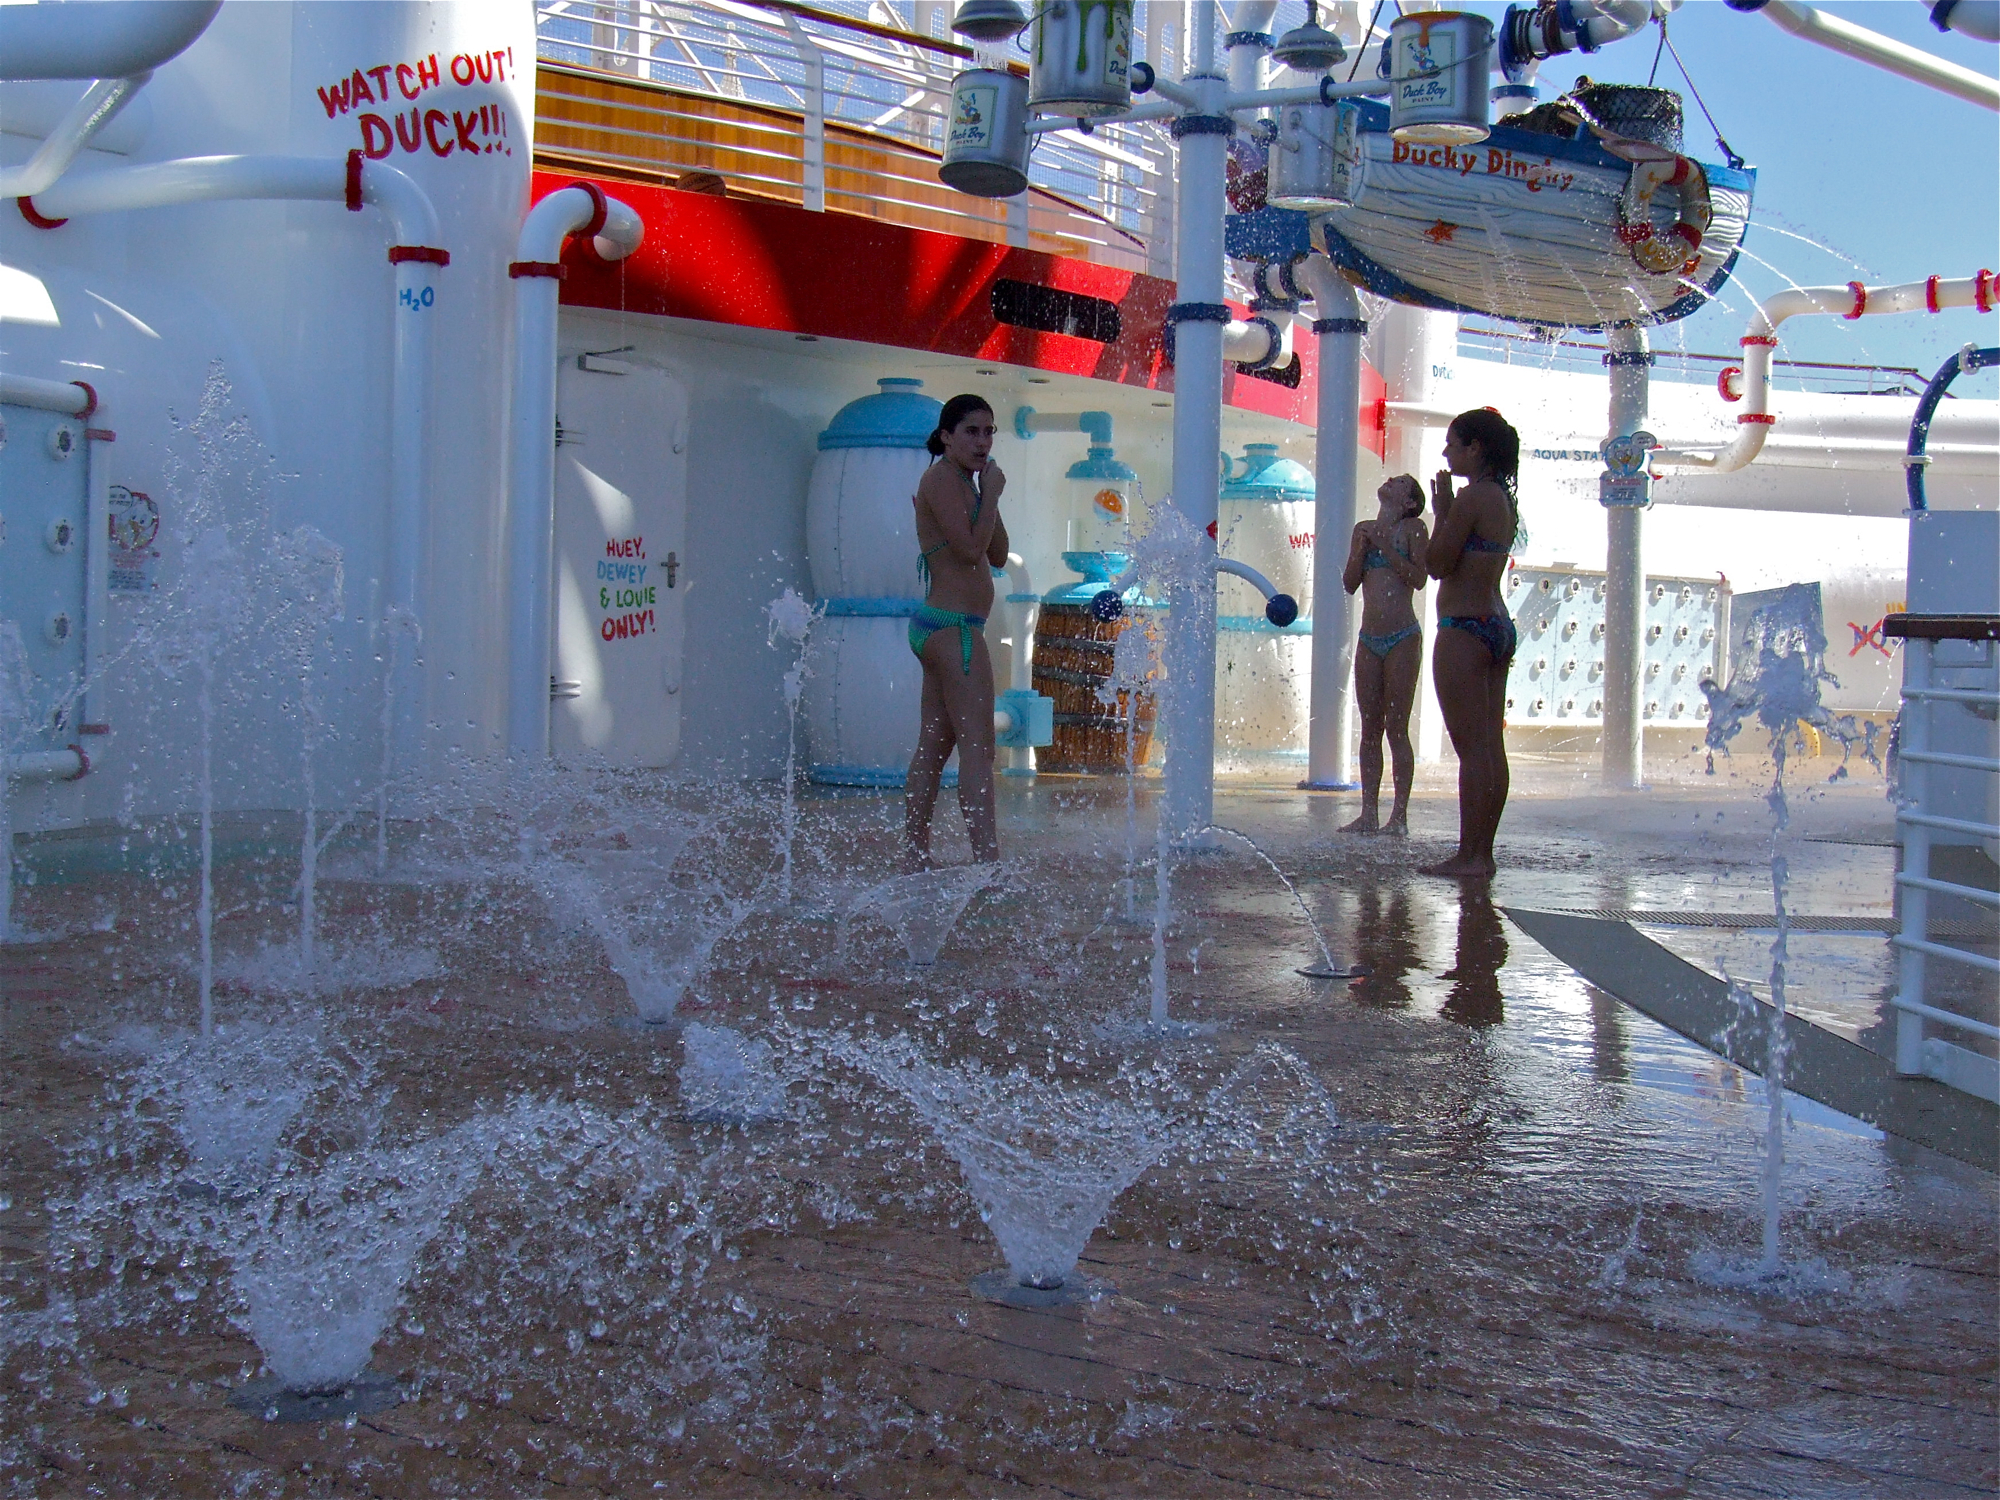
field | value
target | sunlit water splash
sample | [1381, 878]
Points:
[791, 617]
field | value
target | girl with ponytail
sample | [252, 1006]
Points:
[1470, 542]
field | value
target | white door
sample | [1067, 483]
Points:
[621, 537]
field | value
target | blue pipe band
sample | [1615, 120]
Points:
[1186, 125]
[1340, 325]
[1271, 354]
[871, 609]
[1262, 39]
[1629, 357]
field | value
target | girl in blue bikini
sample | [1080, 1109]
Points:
[963, 540]
[1475, 532]
[1385, 561]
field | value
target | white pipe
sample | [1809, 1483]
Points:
[1264, 341]
[1026, 602]
[1248, 574]
[1187, 717]
[98, 38]
[91, 113]
[48, 765]
[1879, 51]
[1851, 301]
[65, 396]
[1623, 742]
[209, 179]
[415, 255]
[1339, 326]
[1973, 18]
[531, 469]
[96, 577]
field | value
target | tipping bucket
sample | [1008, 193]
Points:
[1440, 59]
[1315, 162]
[1080, 59]
[986, 141]
[1073, 657]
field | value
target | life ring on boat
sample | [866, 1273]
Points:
[1672, 252]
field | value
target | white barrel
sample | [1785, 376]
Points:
[1080, 57]
[1452, 107]
[863, 701]
[1263, 692]
[986, 137]
[1316, 161]
[861, 528]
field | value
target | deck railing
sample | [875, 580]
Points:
[835, 113]
[1965, 680]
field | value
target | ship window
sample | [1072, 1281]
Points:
[1025, 305]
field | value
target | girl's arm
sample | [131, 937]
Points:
[996, 548]
[1454, 525]
[1357, 565]
[1411, 569]
[966, 541]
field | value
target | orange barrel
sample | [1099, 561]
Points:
[1072, 661]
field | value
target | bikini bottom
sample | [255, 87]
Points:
[1382, 645]
[927, 622]
[1495, 633]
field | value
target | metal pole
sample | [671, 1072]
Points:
[1625, 576]
[1339, 325]
[1188, 715]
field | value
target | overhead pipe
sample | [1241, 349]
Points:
[1752, 384]
[615, 231]
[1028, 422]
[1531, 35]
[98, 106]
[1339, 326]
[98, 38]
[416, 256]
[1916, 458]
[1879, 51]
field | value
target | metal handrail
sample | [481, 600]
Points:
[827, 71]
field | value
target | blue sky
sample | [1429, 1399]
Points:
[1899, 181]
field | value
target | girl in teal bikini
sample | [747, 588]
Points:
[963, 540]
[1385, 560]
[1475, 532]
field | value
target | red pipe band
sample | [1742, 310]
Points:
[82, 764]
[1762, 418]
[40, 221]
[1982, 290]
[424, 253]
[1930, 294]
[354, 181]
[89, 397]
[99, 435]
[1860, 300]
[600, 209]
[1758, 338]
[1730, 372]
[520, 268]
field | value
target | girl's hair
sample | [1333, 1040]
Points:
[956, 410]
[1499, 447]
[1414, 504]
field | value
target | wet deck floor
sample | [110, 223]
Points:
[1481, 1283]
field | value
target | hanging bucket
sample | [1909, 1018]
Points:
[986, 142]
[1316, 159]
[1080, 60]
[1450, 106]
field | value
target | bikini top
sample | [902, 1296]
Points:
[1477, 543]
[1377, 558]
[924, 557]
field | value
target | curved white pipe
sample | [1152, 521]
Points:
[47, 765]
[65, 396]
[531, 468]
[1879, 51]
[1248, 574]
[1974, 18]
[209, 179]
[98, 38]
[90, 114]
[1851, 301]
[1252, 343]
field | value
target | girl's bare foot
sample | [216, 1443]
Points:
[1458, 867]
[1396, 828]
[1362, 824]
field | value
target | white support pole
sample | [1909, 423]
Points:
[1915, 837]
[1625, 577]
[1418, 348]
[1188, 716]
[814, 87]
[1338, 323]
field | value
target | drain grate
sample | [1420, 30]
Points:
[1764, 922]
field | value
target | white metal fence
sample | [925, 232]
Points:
[1947, 667]
[1112, 189]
